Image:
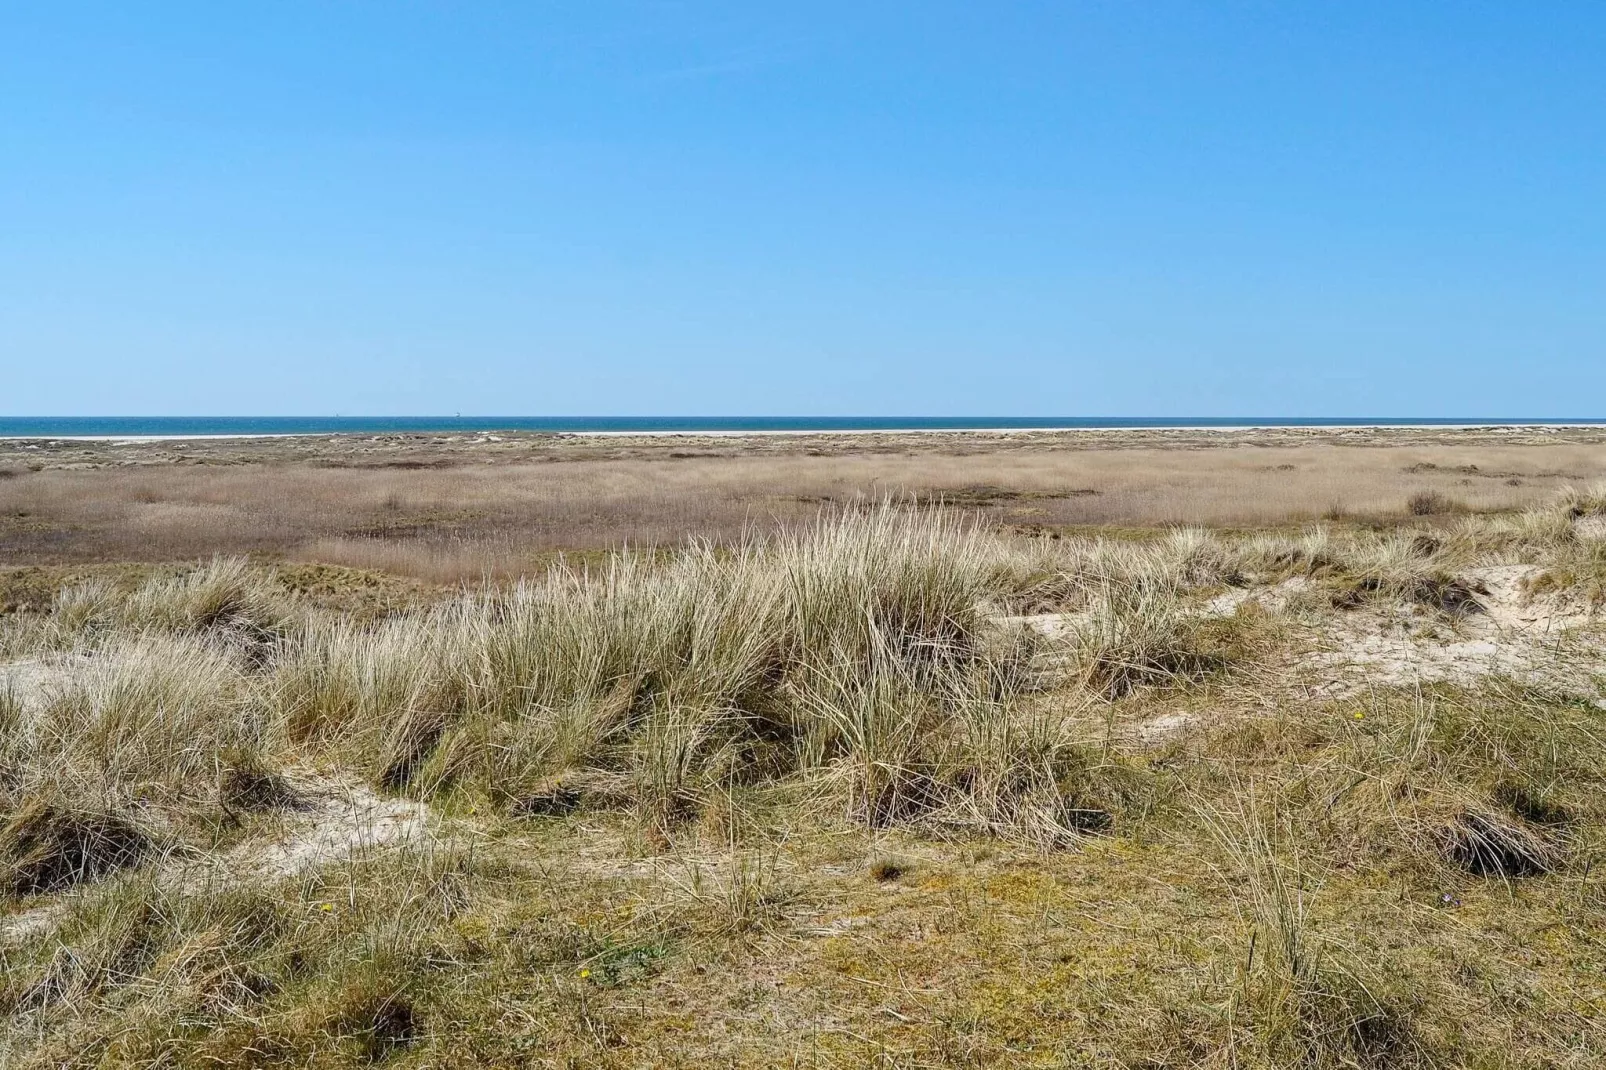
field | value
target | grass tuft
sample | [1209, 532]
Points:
[375, 1017]
[1140, 635]
[47, 846]
[1489, 844]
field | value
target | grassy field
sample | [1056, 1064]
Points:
[447, 509]
[891, 785]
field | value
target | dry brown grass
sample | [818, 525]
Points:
[425, 511]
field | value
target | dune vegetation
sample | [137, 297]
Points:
[890, 788]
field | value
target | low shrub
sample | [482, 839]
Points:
[1432, 503]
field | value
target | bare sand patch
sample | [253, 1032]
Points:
[1590, 528]
[340, 819]
[1274, 599]
[1165, 726]
[33, 680]
[1507, 630]
[1547, 639]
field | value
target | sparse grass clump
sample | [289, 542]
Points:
[224, 601]
[1312, 1000]
[1142, 636]
[1491, 844]
[47, 845]
[149, 709]
[1580, 503]
[1565, 539]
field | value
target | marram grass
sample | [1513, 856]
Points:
[804, 800]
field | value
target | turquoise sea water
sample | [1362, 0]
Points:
[70, 426]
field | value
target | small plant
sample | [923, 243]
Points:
[617, 965]
[885, 870]
[739, 896]
[1431, 503]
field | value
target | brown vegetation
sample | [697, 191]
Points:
[447, 510]
[888, 785]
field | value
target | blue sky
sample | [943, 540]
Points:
[1068, 208]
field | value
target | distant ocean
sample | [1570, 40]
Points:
[187, 426]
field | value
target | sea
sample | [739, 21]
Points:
[202, 426]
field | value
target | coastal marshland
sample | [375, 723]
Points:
[909, 758]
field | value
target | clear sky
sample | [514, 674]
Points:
[1121, 207]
